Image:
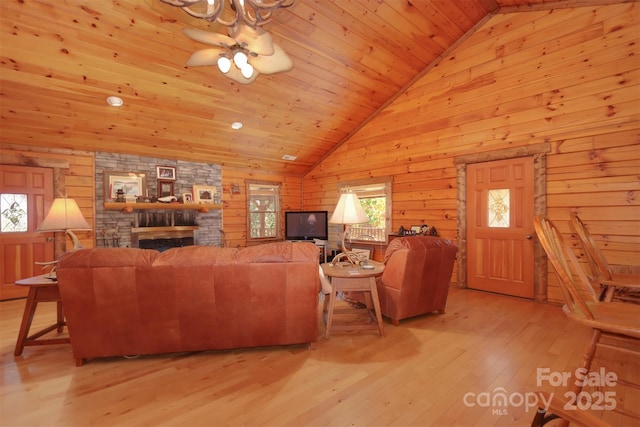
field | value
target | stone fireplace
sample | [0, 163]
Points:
[157, 227]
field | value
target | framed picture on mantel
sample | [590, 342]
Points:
[204, 194]
[165, 188]
[166, 173]
[131, 184]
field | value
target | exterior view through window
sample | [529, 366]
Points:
[263, 210]
[375, 198]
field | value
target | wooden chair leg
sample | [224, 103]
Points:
[587, 357]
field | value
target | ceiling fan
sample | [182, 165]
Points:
[248, 50]
[242, 55]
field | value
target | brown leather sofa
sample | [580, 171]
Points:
[417, 276]
[125, 301]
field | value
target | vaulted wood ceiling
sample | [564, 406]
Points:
[60, 60]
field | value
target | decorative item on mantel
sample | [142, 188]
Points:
[166, 173]
[167, 199]
[204, 194]
[119, 185]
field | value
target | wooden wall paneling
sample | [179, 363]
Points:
[234, 216]
[521, 79]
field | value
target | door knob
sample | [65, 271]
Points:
[528, 237]
[49, 239]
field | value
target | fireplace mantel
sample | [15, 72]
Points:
[130, 207]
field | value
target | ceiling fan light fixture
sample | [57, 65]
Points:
[254, 13]
[240, 59]
[247, 70]
[224, 64]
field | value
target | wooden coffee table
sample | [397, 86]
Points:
[354, 278]
[41, 289]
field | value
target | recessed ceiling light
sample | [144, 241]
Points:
[289, 157]
[236, 125]
[115, 101]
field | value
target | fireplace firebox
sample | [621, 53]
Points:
[162, 238]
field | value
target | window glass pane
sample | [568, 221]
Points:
[375, 208]
[375, 198]
[264, 201]
[13, 213]
[498, 208]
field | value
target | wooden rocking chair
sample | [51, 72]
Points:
[615, 325]
[621, 286]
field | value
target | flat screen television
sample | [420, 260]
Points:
[306, 225]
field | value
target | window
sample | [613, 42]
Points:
[263, 210]
[498, 206]
[375, 198]
[13, 213]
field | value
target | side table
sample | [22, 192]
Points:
[354, 278]
[41, 289]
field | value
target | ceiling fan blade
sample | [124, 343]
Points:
[235, 74]
[256, 39]
[208, 37]
[204, 57]
[276, 63]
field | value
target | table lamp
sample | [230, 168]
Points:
[64, 215]
[348, 211]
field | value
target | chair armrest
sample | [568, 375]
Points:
[395, 268]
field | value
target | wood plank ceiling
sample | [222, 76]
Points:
[60, 60]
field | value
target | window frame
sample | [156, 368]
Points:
[355, 186]
[278, 209]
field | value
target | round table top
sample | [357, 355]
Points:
[348, 270]
[41, 280]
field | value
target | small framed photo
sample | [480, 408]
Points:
[187, 198]
[203, 194]
[166, 173]
[165, 188]
[415, 229]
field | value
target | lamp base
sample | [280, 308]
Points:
[351, 257]
[53, 264]
[74, 239]
[52, 273]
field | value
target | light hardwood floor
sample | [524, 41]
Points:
[417, 375]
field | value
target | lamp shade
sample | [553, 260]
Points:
[64, 215]
[348, 211]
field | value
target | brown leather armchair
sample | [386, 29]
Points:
[417, 276]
